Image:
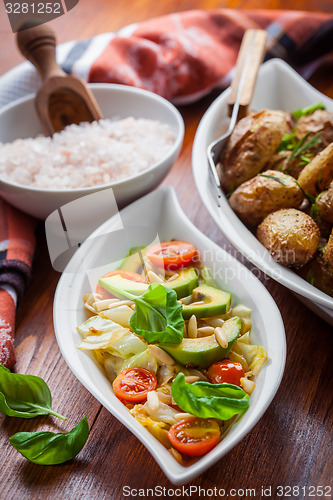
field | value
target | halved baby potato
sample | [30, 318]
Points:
[251, 145]
[291, 236]
[318, 121]
[256, 198]
[318, 174]
[325, 204]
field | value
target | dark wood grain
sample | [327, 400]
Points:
[292, 443]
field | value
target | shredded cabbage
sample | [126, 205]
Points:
[158, 429]
[112, 365]
[96, 325]
[164, 413]
[255, 355]
[128, 345]
[143, 359]
[242, 311]
[120, 315]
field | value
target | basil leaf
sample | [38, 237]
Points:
[25, 396]
[49, 448]
[158, 315]
[206, 400]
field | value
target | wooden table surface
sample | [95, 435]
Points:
[291, 446]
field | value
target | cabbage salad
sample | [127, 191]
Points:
[179, 357]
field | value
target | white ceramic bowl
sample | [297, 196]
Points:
[278, 87]
[19, 120]
[162, 215]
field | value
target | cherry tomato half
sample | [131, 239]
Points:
[194, 436]
[128, 275]
[133, 384]
[171, 254]
[225, 371]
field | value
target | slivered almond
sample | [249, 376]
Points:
[221, 337]
[181, 416]
[168, 272]
[101, 305]
[173, 277]
[198, 303]
[152, 400]
[206, 330]
[89, 307]
[215, 322]
[154, 278]
[132, 306]
[120, 303]
[192, 330]
[186, 300]
[161, 355]
[190, 379]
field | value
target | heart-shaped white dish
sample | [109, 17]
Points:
[159, 214]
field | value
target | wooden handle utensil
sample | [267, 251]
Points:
[62, 99]
[251, 53]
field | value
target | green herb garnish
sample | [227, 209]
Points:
[310, 277]
[277, 179]
[303, 145]
[287, 143]
[308, 110]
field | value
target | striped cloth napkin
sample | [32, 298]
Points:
[17, 245]
[181, 57]
[184, 56]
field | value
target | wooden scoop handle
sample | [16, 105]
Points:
[38, 46]
[249, 59]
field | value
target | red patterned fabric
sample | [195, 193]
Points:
[17, 246]
[183, 56]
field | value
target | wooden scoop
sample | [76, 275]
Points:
[62, 99]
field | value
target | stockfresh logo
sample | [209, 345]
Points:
[29, 13]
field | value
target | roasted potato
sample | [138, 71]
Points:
[319, 121]
[318, 174]
[253, 200]
[284, 163]
[251, 145]
[290, 235]
[324, 205]
[328, 253]
[319, 271]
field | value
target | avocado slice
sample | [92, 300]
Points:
[133, 260]
[124, 284]
[203, 352]
[215, 302]
[185, 283]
